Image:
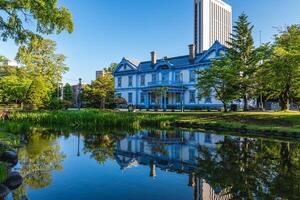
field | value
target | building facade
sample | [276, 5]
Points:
[213, 21]
[168, 83]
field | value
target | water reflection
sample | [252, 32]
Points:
[215, 166]
[38, 158]
[171, 152]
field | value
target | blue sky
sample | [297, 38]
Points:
[106, 30]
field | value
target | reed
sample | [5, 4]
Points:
[3, 172]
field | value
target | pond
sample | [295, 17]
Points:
[155, 165]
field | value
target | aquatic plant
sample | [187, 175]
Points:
[3, 172]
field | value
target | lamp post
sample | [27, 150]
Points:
[79, 95]
[182, 95]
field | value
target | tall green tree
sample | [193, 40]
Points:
[38, 92]
[241, 53]
[14, 85]
[39, 58]
[46, 16]
[68, 92]
[283, 69]
[100, 94]
[218, 80]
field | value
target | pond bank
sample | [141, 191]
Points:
[286, 124]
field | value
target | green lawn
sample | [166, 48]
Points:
[285, 122]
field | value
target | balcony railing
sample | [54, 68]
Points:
[165, 83]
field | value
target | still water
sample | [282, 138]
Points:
[155, 165]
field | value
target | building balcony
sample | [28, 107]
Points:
[165, 83]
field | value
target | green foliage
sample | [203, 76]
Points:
[46, 15]
[33, 82]
[68, 92]
[3, 172]
[282, 69]
[218, 80]
[100, 94]
[38, 92]
[14, 85]
[242, 57]
[58, 104]
[40, 59]
[284, 122]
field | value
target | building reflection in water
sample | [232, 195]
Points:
[170, 151]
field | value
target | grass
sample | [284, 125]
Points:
[3, 172]
[285, 122]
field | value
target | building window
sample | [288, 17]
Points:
[142, 98]
[208, 100]
[192, 153]
[154, 79]
[153, 98]
[129, 81]
[192, 96]
[178, 98]
[207, 138]
[192, 76]
[142, 80]
[165, 77]
[125, 67]
[129, 97]
[177, 77]
[119, 81]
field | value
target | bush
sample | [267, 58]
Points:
[58, 104]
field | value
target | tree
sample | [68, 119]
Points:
[100, 93]
[262, 86]
[283, 68]
[68, 92]
[47, 17]
[14, 85]
[241, 54]
[218, 80]
[37, 93]
[40, 59]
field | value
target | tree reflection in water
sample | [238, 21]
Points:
[227, 167]
[100, 146]
[252, 169]
[38, 158]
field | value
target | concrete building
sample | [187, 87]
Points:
[167, 83]
[213, 21]
[10, 63]
[100, 74]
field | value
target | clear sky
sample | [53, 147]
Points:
[107, 30]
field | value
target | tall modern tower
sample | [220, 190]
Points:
[213, 21]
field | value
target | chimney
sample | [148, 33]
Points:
[192, 49]
[153, 57]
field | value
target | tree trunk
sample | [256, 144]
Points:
[284, 101]
[245, 99]
[225, 107]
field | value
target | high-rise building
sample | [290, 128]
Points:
[213, 21]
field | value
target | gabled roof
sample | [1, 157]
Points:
[174, 62]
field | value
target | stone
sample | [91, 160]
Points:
[4, 191]
[14, 180]
[9, 157]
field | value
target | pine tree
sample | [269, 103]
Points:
[241, 53]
